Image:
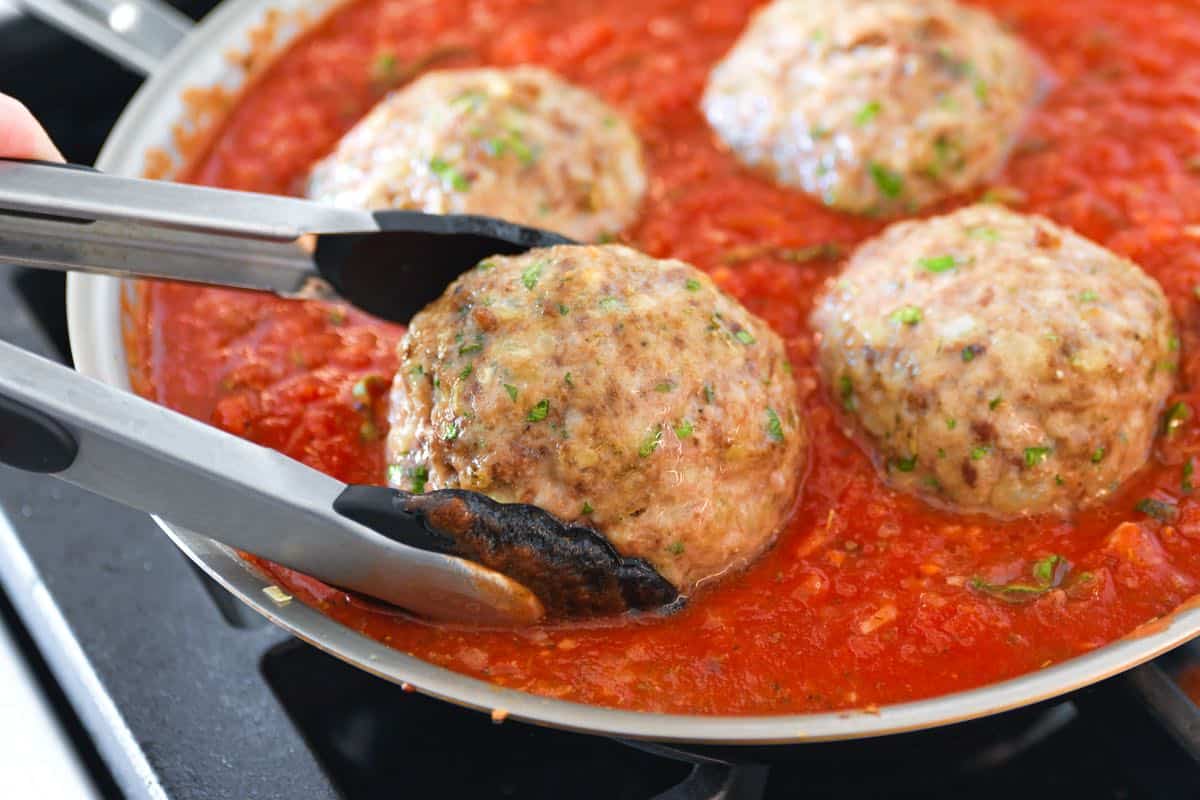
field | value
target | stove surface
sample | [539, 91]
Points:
[173, 690]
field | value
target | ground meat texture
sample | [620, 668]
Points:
[521, 144]
[612, 389]
[873, 106]
[997, 362]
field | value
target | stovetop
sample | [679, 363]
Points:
[171, 689]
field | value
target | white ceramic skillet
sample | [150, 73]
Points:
[199, 59]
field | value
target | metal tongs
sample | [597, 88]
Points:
[449, 555]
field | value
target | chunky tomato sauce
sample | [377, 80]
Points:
[868, 596]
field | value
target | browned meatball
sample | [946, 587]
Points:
[612, 389]
[998, 362]
[873, 106]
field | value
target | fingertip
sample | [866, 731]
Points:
[21, 136]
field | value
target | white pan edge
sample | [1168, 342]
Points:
[94, 323]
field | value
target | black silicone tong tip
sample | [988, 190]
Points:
[572, 569]
[395, 273]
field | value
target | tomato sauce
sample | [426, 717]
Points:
[867, 597]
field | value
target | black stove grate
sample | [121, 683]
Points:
[179, 692]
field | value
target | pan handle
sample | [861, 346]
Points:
[137, 33]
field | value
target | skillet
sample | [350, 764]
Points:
[94, 316]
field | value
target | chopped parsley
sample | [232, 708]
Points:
[450, 432]
[709, 394]
[1088, 296]
[938, 263]
[744, 336]
[684, 429]
[675, 548]
[383, 68]
[846, 390]
[568, 380]
[512, 391]
[1189, 469]
[1036, 455]
[466, 372]
[664, 387]
[692, 285]
[473, 347]
[1173, 344]
[970, 351]
[1098, 455]
[563, 310]
[906, 464]
[908, 315]
[980, 451]
[651, 442]
[980, 87]
[531, 274]
[1176, 416]
[538, 412]
[867, 113]
[994, 402]
[449, 174]
[889, 183]
[485, 265]
[983, 232]
[951, 423]
[1160, 510]
[587, 508]
[418, 476]
[774, 426]
[608, 302]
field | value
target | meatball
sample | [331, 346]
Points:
[519, 143]
[873, 106]
[612, 389]
[997, 362]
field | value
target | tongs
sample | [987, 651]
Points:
[388, 263]
[450, 555]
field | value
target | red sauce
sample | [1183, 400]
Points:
[864, 599]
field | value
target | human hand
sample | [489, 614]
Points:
[20, 134]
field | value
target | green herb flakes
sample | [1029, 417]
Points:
[938, 264]
[980, 451]
[1189, 469]
[587, 508]
[1048, 573]
[984, 233]
[531, 274]
[1173, 344]
[905, 464]
[1088, 296]
[538, 412]
[568, 380]
[994, 403]
[1161, 510]
[449, 174]
[908, 315]
[951, 423]
[846, 391]
[971, 351]
[563, 310]
[675, 548]
[1098, 455]
[450, 432]
[418, 476]
[1036, 455]
[512, 391]
[745, 337]
[651, 442]
[684, 429]
[889, 183]
[867, 113]
[1176, 416]
[608, 302]
[473, 347]
[709, 394]
[466, 372]
[774, 426]
[692, 285]
[485, 265]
